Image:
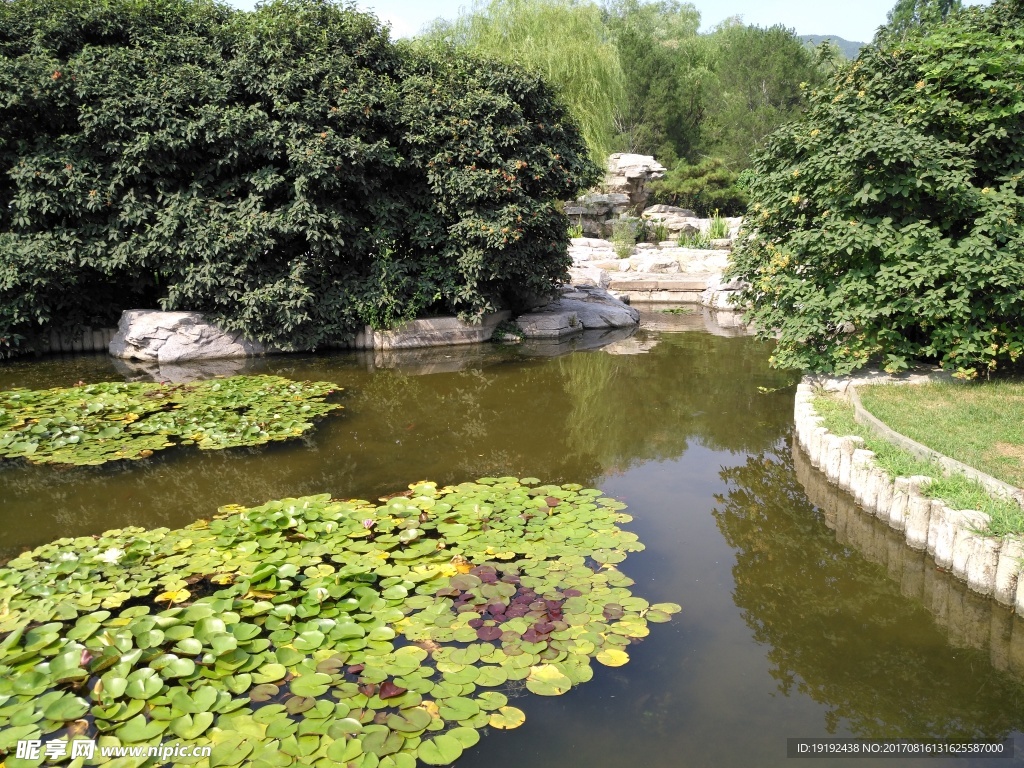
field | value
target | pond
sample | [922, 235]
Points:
[801, 617]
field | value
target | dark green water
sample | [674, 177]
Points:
[800, 617]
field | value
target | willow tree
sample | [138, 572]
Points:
[565, 41]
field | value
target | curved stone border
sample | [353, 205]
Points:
[993, 485]
[965, 618]
[990, 566]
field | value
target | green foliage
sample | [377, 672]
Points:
[666, 67]
[909, 15]
[756, 89]
[289, 171]
[704, 188]
[381, 625]
[887, 222]
[96, 423]
[563, 40]
[626, 233]
[697, 239]
[657, 231]
[718, 228]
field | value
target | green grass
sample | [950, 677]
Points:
[980, 424]
[695, 240]
[957, 491]
[719, 228]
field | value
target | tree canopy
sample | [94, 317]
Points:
[886, 223]
[289, 171]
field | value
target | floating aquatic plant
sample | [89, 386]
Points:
[314, 631]
[97, 423]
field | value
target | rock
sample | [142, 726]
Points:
[663, 211]
[580, 308]
[655, 263]
[588, 276]
[596, 308]
[720, 293]
[438, 332]
[550, 323]
[724, 244]
[167, 337]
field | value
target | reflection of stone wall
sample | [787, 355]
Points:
[991, 566]
[968, 619]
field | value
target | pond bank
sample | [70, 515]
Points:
[990, 566]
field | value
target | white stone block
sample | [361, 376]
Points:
[1008, 570]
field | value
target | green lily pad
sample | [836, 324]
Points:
[546, 680]
[440, 750]
[68, 707]
[506, 718]
[95, 423]
[325, 633]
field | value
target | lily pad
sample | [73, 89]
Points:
[96, 423]
[440, 750]
[507, 718]
[311, 628]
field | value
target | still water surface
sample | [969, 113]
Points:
[801, 618]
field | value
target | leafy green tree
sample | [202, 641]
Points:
[565, 41]
[666, 66]
[289, 171]
[755, 90]
[887, 222]
[704, 188]
[910, 14]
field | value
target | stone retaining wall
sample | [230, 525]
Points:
[89, 340]
[967, 619]
[989, 565]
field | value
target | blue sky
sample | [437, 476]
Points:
[853, 20]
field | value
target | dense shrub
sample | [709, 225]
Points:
[289, 170]
[888, 221]
[704, 188]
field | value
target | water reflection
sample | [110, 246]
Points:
[799, 618]
[546, 410]
[838, 630]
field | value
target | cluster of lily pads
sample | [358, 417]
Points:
[97, 423]
[315, 631]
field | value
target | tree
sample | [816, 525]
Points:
[666, 66]
[886, 223]
[917, 14]
[756, 88]
[289, 171]
[565, 41]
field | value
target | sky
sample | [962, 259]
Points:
[856, 20]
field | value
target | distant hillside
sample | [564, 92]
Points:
[850, 49]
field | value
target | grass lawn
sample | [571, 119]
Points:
[981, 425]
[957, 491]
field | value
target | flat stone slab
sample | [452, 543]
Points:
[686, 285]
[580, 308]
[434, 332]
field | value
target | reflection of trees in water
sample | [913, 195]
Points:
[839, 631]
[568, 419]
[630, 408]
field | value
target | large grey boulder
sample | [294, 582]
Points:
[168, 337]
[580, 308]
